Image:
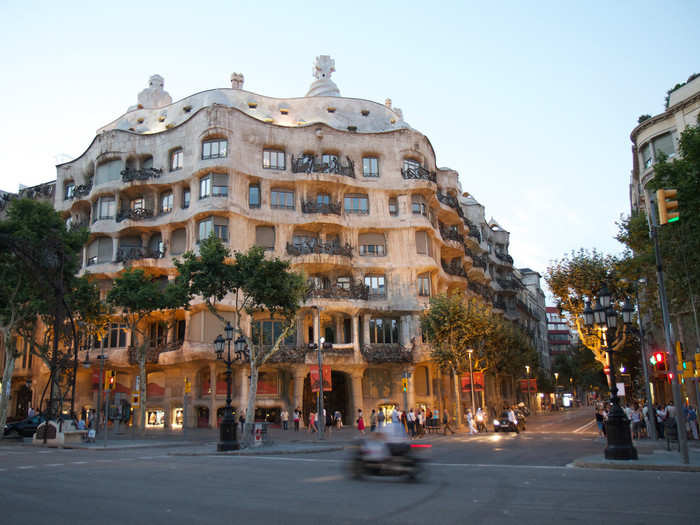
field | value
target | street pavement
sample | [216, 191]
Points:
[488, 478]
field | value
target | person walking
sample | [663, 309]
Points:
[360, 421]
[446, 423]
[600, 421]
[284, 416]
[312, 421]
[373, 421]
[691, 420]
[329, 422]
[470, 422]
[380, 418]
[411, 421]
[297, 416]
[513, 419]
[636, 421]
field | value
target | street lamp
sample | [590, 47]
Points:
[228, 428]
[471, 379]
[618, 426]
[556, 390]
[320, 419]
[529, 403]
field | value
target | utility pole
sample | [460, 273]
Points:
[668, 335]
[651, 413]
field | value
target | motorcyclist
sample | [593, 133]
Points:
[480, 424]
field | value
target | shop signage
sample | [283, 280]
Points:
[478, 382]
[531, 383]
[313, 376]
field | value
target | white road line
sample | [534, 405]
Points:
[584, 427]
[27, 467]
[79, 462]
[145, 457]
[103, 460]
[55, 465]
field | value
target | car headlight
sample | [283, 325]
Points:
[496, 422]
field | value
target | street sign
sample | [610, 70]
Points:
[606, 369]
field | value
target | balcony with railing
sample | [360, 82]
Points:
[337, 292]
[310, 164]
[328, 248]
[504, 258]
[132, 174]
[454, 267]
[325, 208]
[509, 285]
[450, 234]
[418, 173]
[135, 214]
[126, 254]
[386, 353]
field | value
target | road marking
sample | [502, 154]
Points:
[145, 457]
[103, 460]
[323, 479]
[79, 462]
[584, 427]
[55, 465]
[27, 467]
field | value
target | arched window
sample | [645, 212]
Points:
[214, 149]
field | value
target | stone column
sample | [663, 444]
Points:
[115, 247]
[339, 336]
[411, 392]
[404, 330]
[317, 325]
[357, 397]
[365, 329]
[300, 331]
[212, 396]
[299, 376]
[356, 337]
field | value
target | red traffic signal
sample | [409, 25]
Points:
[659, 357]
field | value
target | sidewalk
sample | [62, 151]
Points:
[661, 460]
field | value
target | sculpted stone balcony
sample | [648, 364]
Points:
[325, 208]
[451, 235]
[153, 352]
[510, 285]
[135, 253]
[418, 173]
[131, 174]
[386, 353]
[353, 291]
[327, 248]
[136, 214]
[309, 164]
[450, 201]
[480, 289]
[504, 258]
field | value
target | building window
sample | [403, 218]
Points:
[254, 196]
[323, 199]
[282, 199]
[304, 240]
[410, 164]
[178, 241]
[213, 185]
[214, 149]
[114, 338]
[216, 225]
[166, 202]
[344, 282]
[205, 187]
[418, 206]
[273, 159]
[384, 330]
[424, 285]
[108, 171]
[356, 204]
[393, 207]
[266, 332]
[186, 198]
[372, 244]
[376, 285]
[329, 161]
[100, 251]
[265, 237]
[68, 190]
[176, 157]
[423, 244]
[107, 208]
[370, 167]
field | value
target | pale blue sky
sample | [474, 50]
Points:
[532, 102]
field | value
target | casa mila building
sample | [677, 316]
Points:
[343, 188]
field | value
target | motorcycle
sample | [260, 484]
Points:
[375, 457]
[480, 423]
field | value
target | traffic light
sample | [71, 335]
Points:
[667, 205]
[670, 377]
[404, 384]
[658, 357]
[112, 380]
[697, 361]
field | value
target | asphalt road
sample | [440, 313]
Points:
[488, 478]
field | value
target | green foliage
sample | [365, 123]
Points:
[643, 118]
[509, 349]
[678, 86]
[582, 367]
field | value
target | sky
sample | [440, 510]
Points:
[531, 102]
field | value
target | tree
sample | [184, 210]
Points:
[138, 295]
[576, 279]
[39, 259]
[256, 284]
[453, 325]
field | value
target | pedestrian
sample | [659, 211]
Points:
[420, 422]
[297, 416]
[241, 421]
[470, 422]
[329, 422]
[30, 412]
[600, 421]
[380, 418]
[373, 421]
[691, 420]
[338, 419]
[312, 421]
[636, 420]
[513, 419]
[436, 419]
[411, 422]
[661, 415]
[395, 420]
[446, 423]
[360, 421]
[284, 416]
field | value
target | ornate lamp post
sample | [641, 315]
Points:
[604, 317]
[556, 390]
[228, 440]
[529, 404]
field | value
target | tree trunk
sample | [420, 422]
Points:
[458, 396]
[6, 379]
[250, 410]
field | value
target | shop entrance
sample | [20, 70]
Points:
[202, 417]
[24, 399]
[337, 399]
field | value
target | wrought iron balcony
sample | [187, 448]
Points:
[77, 224]
[309, 164]
[480, 289]
[454, 267]
[135, 253]
[131, 174]
[500, 304]
[509, 284]
[418, 173]
[40, 191]
[328, 248]
[386, 353]
[326, 208]
[152, 352]
[353, 291]
[83, 190]
[479, 261]
[504, 257]
[451, 201]
[451, 235]
[136, 214]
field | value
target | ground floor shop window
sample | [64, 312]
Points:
[178, 418]
[155, 418]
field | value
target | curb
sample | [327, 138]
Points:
[108, 448]
[309, 450]
[635, 466]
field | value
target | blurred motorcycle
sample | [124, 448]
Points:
[374, 456]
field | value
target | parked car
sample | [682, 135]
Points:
[24, 428]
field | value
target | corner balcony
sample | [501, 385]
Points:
[340, 293]
[327, 248]
[131, 174]
[136, 253]
[418, 173]
[325, 208]
[309, 164]
[451, 235]
[454, 268]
